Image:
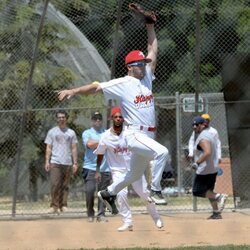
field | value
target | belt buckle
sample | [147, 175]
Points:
[151, 129]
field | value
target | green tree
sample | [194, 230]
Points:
[18, 31]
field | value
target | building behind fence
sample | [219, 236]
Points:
[203, 67]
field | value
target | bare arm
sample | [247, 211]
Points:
[74, 157]
[99, 162]
[206, 147]
[92, 88]
[47, 157]
[152, 45]
[92, 144]
[98, 165]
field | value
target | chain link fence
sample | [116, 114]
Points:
[203, 66]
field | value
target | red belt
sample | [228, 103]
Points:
[151, 129]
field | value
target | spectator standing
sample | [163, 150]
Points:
[60, 161]
[90, 138]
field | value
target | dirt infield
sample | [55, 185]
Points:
[180, 230]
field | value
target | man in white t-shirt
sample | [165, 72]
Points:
[60, 161]
[113, 145]
[134, 95]
[206, 166]
[212, 131]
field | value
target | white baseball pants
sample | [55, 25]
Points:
[140, 187]
[143, 150]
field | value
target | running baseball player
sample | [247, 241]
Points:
[113, 145]
[205, 166]
[134, 94]
[211, 130]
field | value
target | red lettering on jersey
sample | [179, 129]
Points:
[120, 150]
[142, 98]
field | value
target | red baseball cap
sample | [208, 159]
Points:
[115, 110]
[136, 55]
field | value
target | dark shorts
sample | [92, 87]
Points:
[203, 183]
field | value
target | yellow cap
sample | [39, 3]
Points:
[206, 117]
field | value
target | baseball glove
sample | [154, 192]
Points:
[141, 14]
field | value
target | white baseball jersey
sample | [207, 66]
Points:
[118, 155]
[135, 98]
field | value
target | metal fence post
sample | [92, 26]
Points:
[178, 142]
[26, 109]
[198, 62]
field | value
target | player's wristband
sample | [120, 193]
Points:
[95, 82]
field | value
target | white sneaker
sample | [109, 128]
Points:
[150, 200]
[90, 219]
[159, 223]
[222, 201]
[125, 227]
[53, 210]
[64, 209]
[101, 219]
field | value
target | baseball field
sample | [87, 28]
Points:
[180, 232]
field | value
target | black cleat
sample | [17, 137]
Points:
[114, 210]
[109, 200]
[215, 216]
[157, 198]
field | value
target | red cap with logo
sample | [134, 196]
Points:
[115, 110]
[136, 55]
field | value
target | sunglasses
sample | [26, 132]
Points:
[196, 124]
[118, 116]
[137, 64]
